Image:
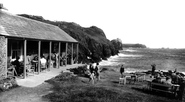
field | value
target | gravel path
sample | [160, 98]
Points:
[26, 94]
[34, 87]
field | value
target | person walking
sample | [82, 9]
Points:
[91, 74]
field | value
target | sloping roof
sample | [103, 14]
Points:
[16, 26]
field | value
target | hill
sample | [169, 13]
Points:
[92, 40]
[134, 46]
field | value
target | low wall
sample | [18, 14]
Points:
[3, 57]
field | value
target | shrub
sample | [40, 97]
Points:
[8, 83]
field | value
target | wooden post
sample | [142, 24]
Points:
[66, 53]
[25, 48]
[39, 48]
[77, 52]
[183, 95]
[50, 45]
[59, 50]
[72, 53]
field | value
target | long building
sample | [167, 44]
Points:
[26, 38]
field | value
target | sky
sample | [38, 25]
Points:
[154, 23]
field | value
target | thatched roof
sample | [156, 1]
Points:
[16, 26]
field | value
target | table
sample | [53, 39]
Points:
[35, 64]
[141, 74]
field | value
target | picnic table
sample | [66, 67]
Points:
[162, 87]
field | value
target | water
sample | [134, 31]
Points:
[136, 60]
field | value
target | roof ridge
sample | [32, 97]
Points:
[35, 20]
[27, 18]
[33, 29]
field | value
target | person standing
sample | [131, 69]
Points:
[122, 70]
[153, 68]
[35, 61]
[97, 71]
[122, 79]
[56, 56]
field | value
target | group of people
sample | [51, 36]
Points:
[170, 77]
[18, 65]
[44, 62]
[93, 71]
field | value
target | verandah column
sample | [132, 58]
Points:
[77, 52]
[66, 53]
[72, 53]
[25, 50]
[50, 45]
[39, 48]
[59, 49]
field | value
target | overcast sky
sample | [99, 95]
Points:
[155, 23]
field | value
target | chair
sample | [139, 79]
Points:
[51, 64]
[122, 80]
[133, 79]
[29, 69]
[11, 71]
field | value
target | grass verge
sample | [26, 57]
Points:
[68, 88]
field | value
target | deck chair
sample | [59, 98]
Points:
[11, 71]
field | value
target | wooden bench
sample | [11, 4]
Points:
[166, 88]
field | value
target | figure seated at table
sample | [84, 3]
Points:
[162, 79]
[35, 63]
[18, 66]
[168, 80]
[43, 63]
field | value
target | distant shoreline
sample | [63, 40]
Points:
[140, 60]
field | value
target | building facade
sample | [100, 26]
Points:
[25, 38]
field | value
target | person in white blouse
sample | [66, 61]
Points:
[43, 62]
